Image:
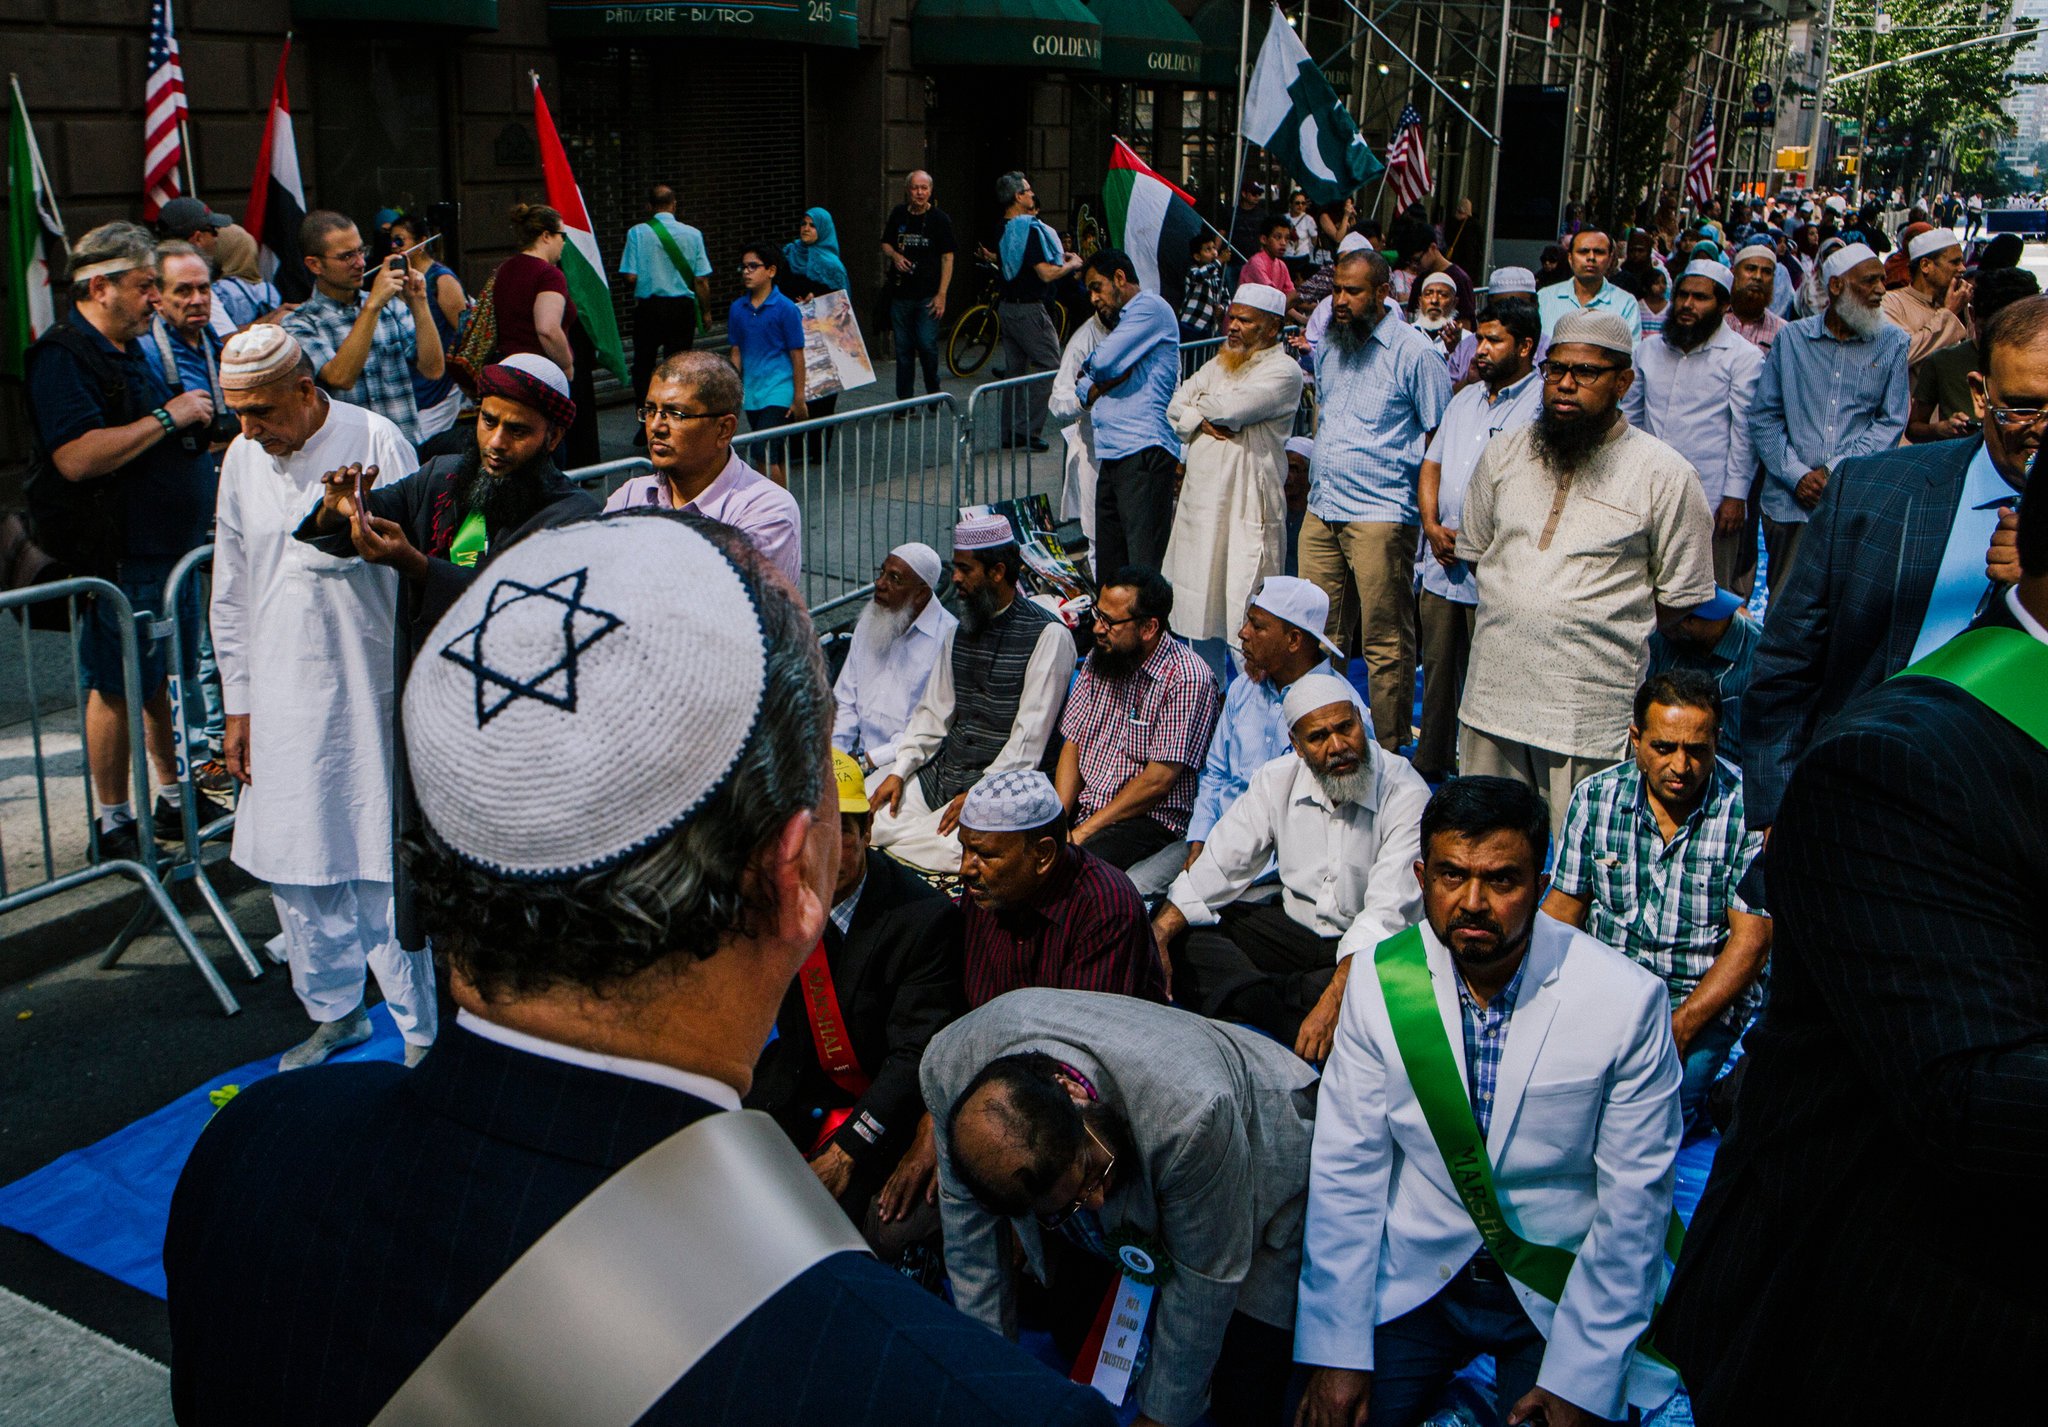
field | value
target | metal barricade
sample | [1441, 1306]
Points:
[607, 476]
[1194, 354]
[996, 459]
[143, 869]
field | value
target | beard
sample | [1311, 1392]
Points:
[977, 609]
[1688, 337]
[879, 628]
[1863, 321]
[1432, 325]
[1234, 358]
[1565, 447]
[1349, 338]
[506, 502]
[1342, 788]
[1108, 663]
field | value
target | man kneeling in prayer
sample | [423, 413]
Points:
[1135, 1149]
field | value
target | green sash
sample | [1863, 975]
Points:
[2006, 670]
[1425, 1047]
[675, 252]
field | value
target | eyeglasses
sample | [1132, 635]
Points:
[670, 413]
[1581, 372]
[348, 257]
[2012, 418]
[1106, 622]
[1089, 1184]
[749, 267]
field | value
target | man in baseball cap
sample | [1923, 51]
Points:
[193, 221]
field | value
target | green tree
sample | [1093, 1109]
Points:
[1651, 45]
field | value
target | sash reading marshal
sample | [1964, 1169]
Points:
[829, 1039]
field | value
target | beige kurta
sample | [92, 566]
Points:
[1569, 585]
[1928, 328]
[1230, 528]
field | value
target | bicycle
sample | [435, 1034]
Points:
[978, 331]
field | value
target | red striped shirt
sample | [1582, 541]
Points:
[1086, 930]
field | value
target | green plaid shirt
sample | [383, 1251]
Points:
[1663, 903]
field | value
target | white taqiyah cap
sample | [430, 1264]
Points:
[1439, 280]
[1351, 243]
[1262, 296]
[1302, 446]
[1607, 330]
[1018, 801]
[1507, 281]
[1847, 256]
[983, 532]
[922, 559]
[1932, 241]
[1713, 272]
[529, 700]
[1300, 603]
[541, 369]
[1756, 250]
[258, 356]
[1314, 691]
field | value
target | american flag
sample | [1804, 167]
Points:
[1699, 169]
[163, 146]
[1407, 161]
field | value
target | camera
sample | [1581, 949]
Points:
[197, 439]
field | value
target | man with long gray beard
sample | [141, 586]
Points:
[890, 660]
[1585, 534]
[1692, 391]
[1833, 387]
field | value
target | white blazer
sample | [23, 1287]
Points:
[1584, 1140]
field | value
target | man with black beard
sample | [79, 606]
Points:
[1118, 1136]
[1692, 391]
[1585, 534]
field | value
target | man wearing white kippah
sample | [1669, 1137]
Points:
[997, 682]
[1436, 317]
[1750, 307]
[1230, 525]
[1930, 307]
[895, 644]
[305, 642]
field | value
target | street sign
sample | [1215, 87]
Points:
[1805, 102]
[1760, 97]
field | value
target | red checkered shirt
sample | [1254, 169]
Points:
[1084, 930]
[1164, 712]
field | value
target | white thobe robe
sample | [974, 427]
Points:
[1079, 471]
[1230, 528]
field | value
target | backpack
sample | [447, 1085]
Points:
[78, 525]
[476, 342]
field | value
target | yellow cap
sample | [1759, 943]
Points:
[853, 785]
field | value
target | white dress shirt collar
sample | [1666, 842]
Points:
[2021, 613]
[689, 1082]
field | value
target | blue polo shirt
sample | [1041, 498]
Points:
[764, 337]
[169, 495]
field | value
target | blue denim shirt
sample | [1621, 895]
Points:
[1821, 400]
[1378, 407]
[1133, 416]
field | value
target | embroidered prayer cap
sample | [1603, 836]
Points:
[531, 380]
[1300, 603]
[1021, 800]
[1715, 273]
[922, 559]
[1606, 330]
[1932, 241]
[584, 697]
[1848, 256]
[986, 531]
[1723, 604]
[1756, 250]
[257, 357]
[1262, 297]
[853, 784]
[1507, 282]
[1314, 691]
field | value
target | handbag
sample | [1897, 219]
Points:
[476, 345]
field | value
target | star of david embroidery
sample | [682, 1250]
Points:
[554, 684]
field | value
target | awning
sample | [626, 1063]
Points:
[451, 14]
[1028, 34]
[1220, 26]
[805, 22]
[1147, 40]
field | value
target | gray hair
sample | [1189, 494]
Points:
[177, 248]
[118, 241]
[1009, 186]
[710, 379]
[686, 897]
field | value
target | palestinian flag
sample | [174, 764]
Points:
[35, 240]
[277, 200]
[1291, 112]
[582, 264]
[1152, 219]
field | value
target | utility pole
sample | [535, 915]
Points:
[1820, 98]
[1500, 99]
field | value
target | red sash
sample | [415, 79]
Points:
[829, 1038]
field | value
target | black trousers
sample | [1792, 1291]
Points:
[1134, 511]
[1126, 844]
[662, 326]
[1257, 965]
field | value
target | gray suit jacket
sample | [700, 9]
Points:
[1224, 1123]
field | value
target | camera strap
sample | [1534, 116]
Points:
[160, 332]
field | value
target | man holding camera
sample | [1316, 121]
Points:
[120, 486]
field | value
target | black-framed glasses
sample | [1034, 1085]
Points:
[750, 266]
[1577, 371]
[1089, 1184]
[670, 413]
[1106, 622]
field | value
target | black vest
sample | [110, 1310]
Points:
[988, 683]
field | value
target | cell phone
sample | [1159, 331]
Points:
[363, 479]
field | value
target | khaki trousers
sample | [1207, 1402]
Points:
[1554, 775]
[1367, 568]
[1735, 556]
[1446, 629]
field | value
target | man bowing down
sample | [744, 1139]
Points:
[304, 641]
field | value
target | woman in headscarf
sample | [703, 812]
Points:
[811, 265]
[1813, 289]
[241, 294]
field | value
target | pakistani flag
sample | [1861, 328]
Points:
[1291, 112]
[582, 264]
[1150, 219]
[35, 240]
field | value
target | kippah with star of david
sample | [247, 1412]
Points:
[584, 697]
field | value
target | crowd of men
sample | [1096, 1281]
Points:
[1052, 933]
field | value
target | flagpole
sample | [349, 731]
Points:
[1220, 235]
[35, 153]
[191, 176]
[1244, 47]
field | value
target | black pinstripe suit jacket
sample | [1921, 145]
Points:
[1869, 1247]
[1847, 618]
[333, 1224]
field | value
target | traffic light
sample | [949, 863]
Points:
[1553, 25]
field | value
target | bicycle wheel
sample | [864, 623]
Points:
[1061, 321]
[974, 340]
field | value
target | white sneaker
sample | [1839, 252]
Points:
[352, 1029]
[414, 1054]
